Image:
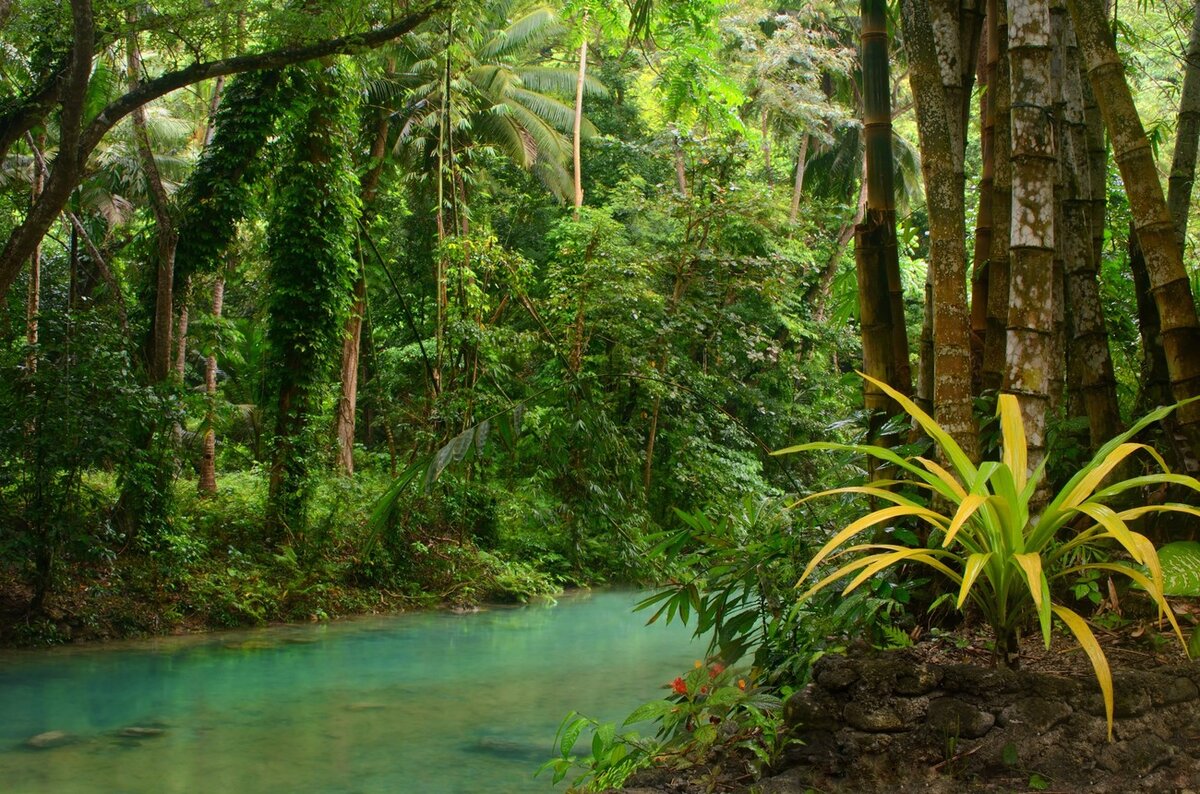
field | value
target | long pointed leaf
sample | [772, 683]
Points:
[1012, 430]
[962, 464]
[1087, 641]
[965, 510]
[971, 572]
[868, 521]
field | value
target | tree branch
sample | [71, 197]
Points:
[272, 59]
[76, 144]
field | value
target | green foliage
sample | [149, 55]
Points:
[1008, 554]
[713, 712]
[221, 190]
[68, 407]
[312, 271]
[1180, 562]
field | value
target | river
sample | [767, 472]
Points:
[424, 702]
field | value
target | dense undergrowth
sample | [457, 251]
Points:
[208, 569]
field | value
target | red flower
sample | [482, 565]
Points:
[679, 686]
[716, 669]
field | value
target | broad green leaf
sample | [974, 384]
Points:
[1087, 641]
[574, 726]
[1180, 568]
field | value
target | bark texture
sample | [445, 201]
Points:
[1029, 360]
[995, 344]
[939, 96]
[884, 335]
[1090, 366]
[1156, 233]
[1187, 136]
[207, 482]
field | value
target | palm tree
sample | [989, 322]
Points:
[481, 83]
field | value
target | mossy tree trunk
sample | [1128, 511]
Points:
[1156, 233]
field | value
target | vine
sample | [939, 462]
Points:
[221, 191]
[312, 272]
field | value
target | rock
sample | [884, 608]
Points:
[1035, 714]
[788, 782]
[921, 680]
[811, 709]
[835, 672]
[1179, 690]
[957, 718]
[140, 732]
[874, 719]
[50, 739]
[1137, 756]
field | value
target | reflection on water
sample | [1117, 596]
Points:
[430, 702]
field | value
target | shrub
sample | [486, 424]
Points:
[1001, 552]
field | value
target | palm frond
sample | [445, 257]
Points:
[559, 81]
[535, 28]
[558, 114]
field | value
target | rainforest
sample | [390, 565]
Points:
[401, 358]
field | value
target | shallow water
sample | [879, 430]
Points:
[425, 702]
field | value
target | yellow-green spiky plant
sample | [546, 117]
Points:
[1003, 558]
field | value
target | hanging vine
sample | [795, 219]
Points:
[312, 272]
[221, 191]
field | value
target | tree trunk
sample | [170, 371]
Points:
[942, 133]
[1187, 136]
[33, 300]
[164, 315]
[885, 356]
[1148, 208]
[351, 340]
[348, 399]
[983, 215]
[575, 148]
[798, 184]
[207, 484]
[680, 169]
[1034, 163]
[995, 343]
[1090, 367]
[1155, 382]
[181, 331]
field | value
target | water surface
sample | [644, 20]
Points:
[426, 702]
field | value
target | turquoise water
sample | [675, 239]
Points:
[426, 702]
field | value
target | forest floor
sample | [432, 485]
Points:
[1156, 745]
